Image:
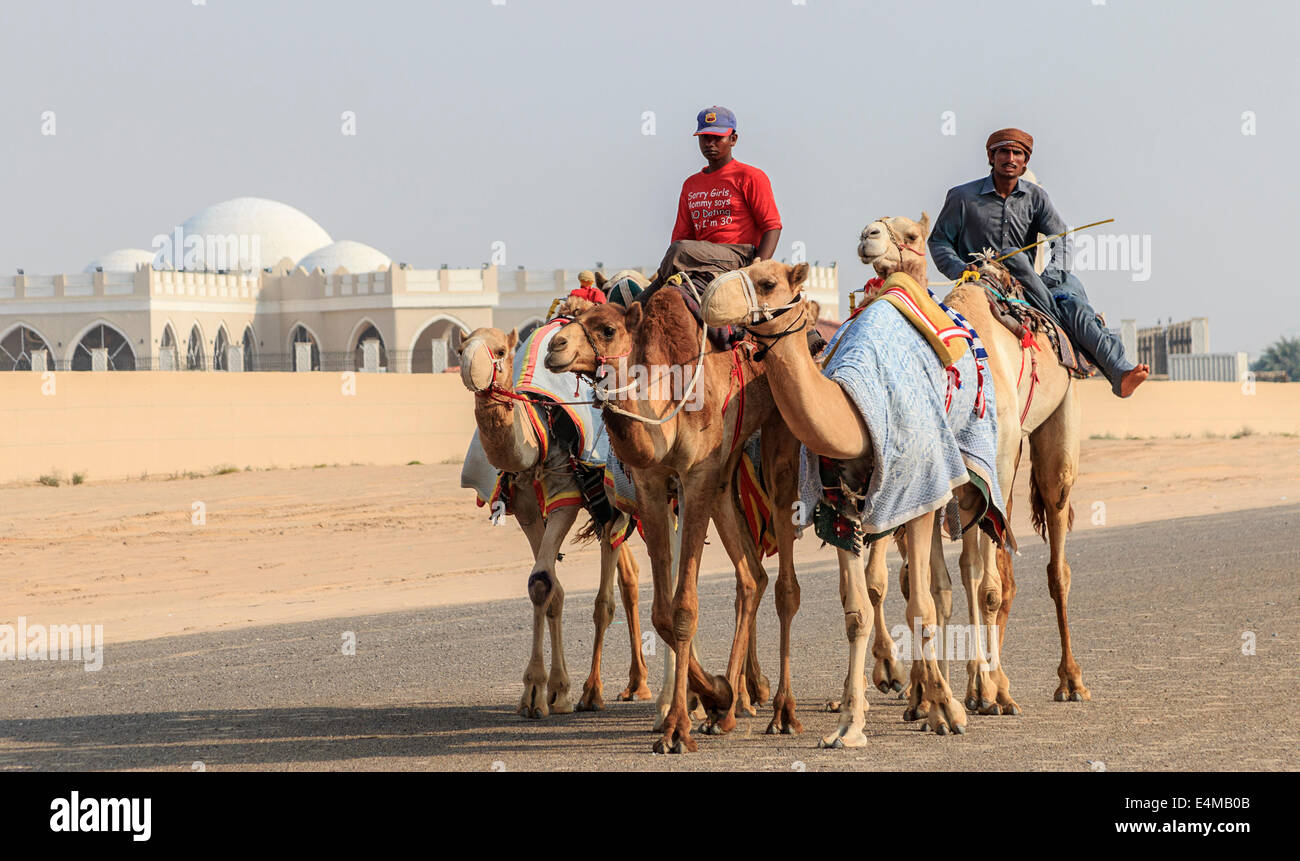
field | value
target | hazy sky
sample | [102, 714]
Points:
[522, 123]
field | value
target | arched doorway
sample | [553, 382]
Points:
[103, 348]
[167, 350]
[195, 358]
[220, 358]
[379, 362]
[311, 362]
[437, 347]
[19, 346]
[250, 349]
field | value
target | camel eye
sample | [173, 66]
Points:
[767, 284]
[607, 331]
[501, 352]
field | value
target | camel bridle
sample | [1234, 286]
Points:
[896, 239]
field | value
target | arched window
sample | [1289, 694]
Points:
[302, 336]
[194, 357]
[370, 333]
[437, 348]
[250, 349]
[116, 353]
[220, 361]
[18, 347]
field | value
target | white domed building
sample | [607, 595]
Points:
[122, 260]
[251, 284]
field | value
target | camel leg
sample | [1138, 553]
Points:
[999, 615]
[927, 682]
[1054, 447]
[981, 693]
[628, 577]
[786, 593]
[941, 589]
[547, 595]
[857, 627]
[887, 674]
[745, 559]
[592, 698]
[676, 617]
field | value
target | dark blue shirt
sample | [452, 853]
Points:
[975, 217]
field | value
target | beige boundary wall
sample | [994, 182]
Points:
[121, 424]
[113, 425]
[1166, 409]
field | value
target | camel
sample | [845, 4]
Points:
[821, 415]
[1045, 408]
[692, 454]
[512, 444]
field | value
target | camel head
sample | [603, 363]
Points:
[487, 357]
[895, 243]
[585, 343]
[755, 297]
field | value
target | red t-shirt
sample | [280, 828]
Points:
[732, 205]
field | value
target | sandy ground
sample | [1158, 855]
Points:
[291, 546]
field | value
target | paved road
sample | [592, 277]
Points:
[1158, 614]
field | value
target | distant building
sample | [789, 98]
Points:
[271, 292]
[1156, 343]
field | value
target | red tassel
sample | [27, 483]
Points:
[979, 391]
[954, 382]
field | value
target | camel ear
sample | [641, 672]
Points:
[464, 334]
[512, 340]
[633, 317]
[798, 274]
[601, 280]
[925, 224]
[816, 309]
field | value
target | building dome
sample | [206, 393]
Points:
[280, 230]
[122, 260]
[352, 256]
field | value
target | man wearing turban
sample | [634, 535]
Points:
[1001, 212]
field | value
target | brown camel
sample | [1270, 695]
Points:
[686, 444]
[513, 444]
[1045, 408]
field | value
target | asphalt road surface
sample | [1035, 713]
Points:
[1160, 614]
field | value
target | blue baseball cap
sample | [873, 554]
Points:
[715, 121]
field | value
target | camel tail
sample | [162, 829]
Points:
[1037, 511]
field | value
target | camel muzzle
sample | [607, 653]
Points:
[729, 299]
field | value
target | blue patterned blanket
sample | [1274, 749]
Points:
[928, 433]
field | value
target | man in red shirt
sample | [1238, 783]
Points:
[726, 216]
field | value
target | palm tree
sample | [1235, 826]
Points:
[1284, 355]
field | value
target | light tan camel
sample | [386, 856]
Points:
[821, 415]
[688, 450]
[1044, 407]
[512, 444]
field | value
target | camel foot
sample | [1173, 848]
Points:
[888, 675]
[559, 702]
[677, 734]
[695, 708]
[783, 719]
[629, 693]
[532, 704]
[1072, 691]
[759, 690]
[591, 699]
[831, 706]
[849, 735]
[718, 700]
[947, 715]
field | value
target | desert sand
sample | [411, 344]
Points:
[293, 545]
